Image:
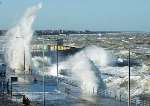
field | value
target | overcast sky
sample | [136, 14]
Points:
[118, 15]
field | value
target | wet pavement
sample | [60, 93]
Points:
[69, 101]
[52, 97]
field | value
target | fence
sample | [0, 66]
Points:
[135, 101]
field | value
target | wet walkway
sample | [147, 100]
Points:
[54, 98]
[59, 99]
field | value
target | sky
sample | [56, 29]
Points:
[100, 15]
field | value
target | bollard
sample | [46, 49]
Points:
[115, 97]
[120, 97]
[11, 88]
[8, 87]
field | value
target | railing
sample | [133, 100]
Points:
[135, 101]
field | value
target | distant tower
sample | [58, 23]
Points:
[61, 31]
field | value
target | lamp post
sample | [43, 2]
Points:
[43, 74]
[57, 62]
[129, 73]
[129, 97]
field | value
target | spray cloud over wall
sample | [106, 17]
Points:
[81, 68]
[18, 46]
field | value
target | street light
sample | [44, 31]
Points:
[43, 74]
[129, 94]
[43, 55]
[57, 63]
